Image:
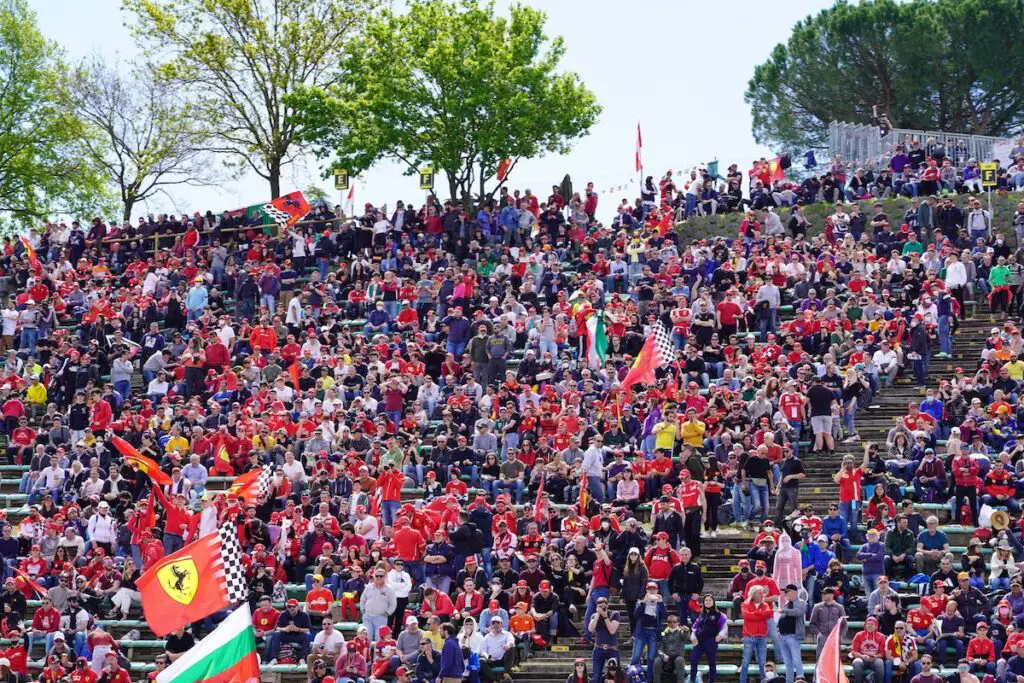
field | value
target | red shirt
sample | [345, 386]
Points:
[728, 312]
[46, 620]
[790, 405]
[850, 485]
[659, 562]
[319, 600]
[265, 619]
[410, 544]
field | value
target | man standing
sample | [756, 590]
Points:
[791, 629]
[825, 615]
[376, 604]
[821, 399]
[787, 494]
[603, 628]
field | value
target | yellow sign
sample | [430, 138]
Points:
[427, 178]
[179, 579]
[989, 169]
[559, 648]
[341, 179]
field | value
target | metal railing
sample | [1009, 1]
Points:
[864, 145]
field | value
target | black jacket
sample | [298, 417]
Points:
[686, 579]
[671, 525]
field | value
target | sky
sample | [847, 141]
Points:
[679, 68]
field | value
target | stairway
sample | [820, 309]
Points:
[720, 555]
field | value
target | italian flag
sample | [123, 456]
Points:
[228, 655]
[597, 340]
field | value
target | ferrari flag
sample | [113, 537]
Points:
[193, 583]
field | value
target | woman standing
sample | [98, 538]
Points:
[710, 629]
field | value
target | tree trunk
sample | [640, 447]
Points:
[453, 186]
[129, 204]
[275, 180]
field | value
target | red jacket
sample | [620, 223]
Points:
[755, 619]
[969, 475]
[390, 484]
[660, 561]
[410, 544]
[475, 603]
[981, 648]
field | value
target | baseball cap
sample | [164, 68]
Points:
[401, 671]
[292, 602]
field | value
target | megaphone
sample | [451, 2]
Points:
[999, 520]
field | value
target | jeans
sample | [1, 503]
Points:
[28, 340]
[759, 499]
[797, 428]
[754, 645]
[595, 488]
[870, 583]
[913, 668]
[595, 593]
[850, 511]
[373, 625]
[791, 656]
[510, 484]
[388, 510]
[645, 637]
[939, 649]
[876, 665]
[945, 341]
[740, 504]
[600, 658]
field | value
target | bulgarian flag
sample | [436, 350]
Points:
[227, 655]
[597, 340]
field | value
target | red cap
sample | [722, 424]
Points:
[292, 602]
[401, 671]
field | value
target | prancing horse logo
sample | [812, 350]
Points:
[179, 579]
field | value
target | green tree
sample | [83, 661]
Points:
[928, 64]
[144, 138]
[238, 59]
[43, 168]
[449, 84]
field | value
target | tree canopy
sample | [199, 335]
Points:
[143, 137]
[450, 84]
[43, 166]
[238, 59]
[948, 65]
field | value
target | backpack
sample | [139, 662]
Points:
[636, 674]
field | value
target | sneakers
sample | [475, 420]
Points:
[714, 534]
[853, 438]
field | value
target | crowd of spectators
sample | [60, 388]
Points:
[445, 351]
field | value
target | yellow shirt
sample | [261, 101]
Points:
[693, 433]
[177, 443]
[36, 394]
[1015, 369]
[665, 435]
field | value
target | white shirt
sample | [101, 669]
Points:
[496, 644]
[10, 321]
[334, 643]
[400, 582]
[101, 529]
[226, 335]
[956, 274]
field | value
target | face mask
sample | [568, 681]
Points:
[606, 525]
[745, 570]
[759, 572]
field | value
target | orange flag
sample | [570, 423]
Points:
[829, 668]
[133, 457]
[32, 258]
[295, 373]
[584, 494]
[222, 460]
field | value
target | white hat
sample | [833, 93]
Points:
[59, 635]
[4, 661]
[411, 620]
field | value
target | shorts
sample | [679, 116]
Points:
[821, 424]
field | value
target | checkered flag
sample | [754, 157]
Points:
[277, 215]
[663, 342]
[231, 554]
[262, 486]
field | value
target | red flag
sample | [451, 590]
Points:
[251, 485]
[584, 494]
[351, 199]
[193, 583]
[775, 166]
[829, 668]
[133, 457]
[503, 167]
[28, 581]
[295, 373]
[639, 147]
[536, 506]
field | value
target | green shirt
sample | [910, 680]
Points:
[999, 276]
[910, 247]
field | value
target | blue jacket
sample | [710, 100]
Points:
[645, 620]
[933, 408]
[830, 527]
[509, 217]
[813, 556]
[872, 555]
[452, 664]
